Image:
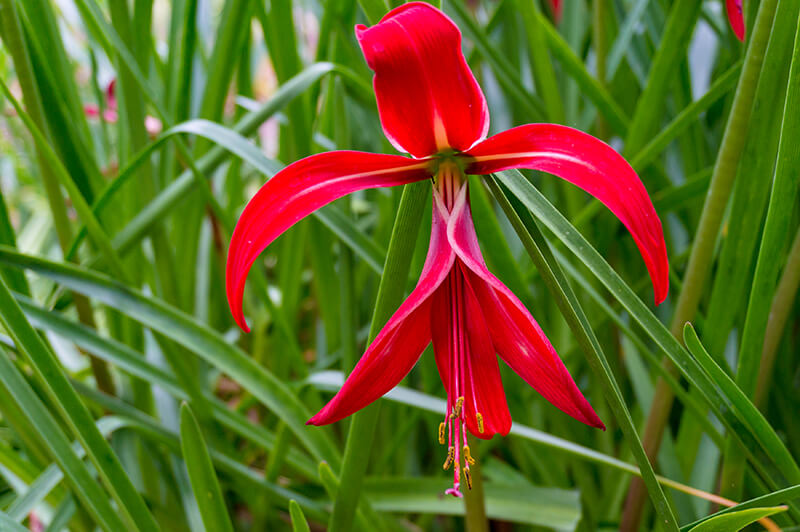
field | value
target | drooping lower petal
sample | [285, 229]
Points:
[428, 98]
[401, 341]
[516, 336]
[591, 165]
[736, 17]
[466, 358]
[297, 191]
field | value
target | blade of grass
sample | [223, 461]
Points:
[201, 473]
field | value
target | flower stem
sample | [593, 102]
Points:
[785, 295]
[704, 242]
[474, 501]
[390, 295]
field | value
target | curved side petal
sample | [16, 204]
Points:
[516, 336]
[591, 165]
[428, 98]
[735, 17]
[298, 190]
[401, 341]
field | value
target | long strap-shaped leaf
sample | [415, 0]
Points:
[183, 329]
[201, 474]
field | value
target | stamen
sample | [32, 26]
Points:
[449, 460]
[441, 433]
[468, 477]
[459, 404]
[467, 456]
[480, 422]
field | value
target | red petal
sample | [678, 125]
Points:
[516, 336]
[735, 17]
[457, 320]
[298, 190]
[401, 341]
[428, 98]
[593, 166]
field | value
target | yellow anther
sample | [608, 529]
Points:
[468, 477]
[441, 433]
[451, 452]
[468, 457]
[480, 422]
[459, 404]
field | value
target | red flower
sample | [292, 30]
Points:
[110, 115]
[431, 107]
[735, 17]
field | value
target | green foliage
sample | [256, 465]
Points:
[130, 401]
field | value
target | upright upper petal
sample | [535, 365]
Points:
[735, 17]
[398, 346]
[590, 164]
[297, 191]
[428, 98]
[516, 336]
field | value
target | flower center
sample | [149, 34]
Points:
[460, 393]
[449, 180]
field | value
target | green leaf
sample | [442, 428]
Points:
[74, 413]
[201, 474]
[199, 339]
[299, 523]
[735, 521]
[9, 525]
[531, 505]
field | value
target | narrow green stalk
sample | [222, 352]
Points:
[785, 295]
[474, 499]
[390, 295]
[705, 237]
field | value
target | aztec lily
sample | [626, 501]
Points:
[735, 17]
[431, 107]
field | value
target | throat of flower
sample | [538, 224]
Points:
[461, 400]
[449, 180]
